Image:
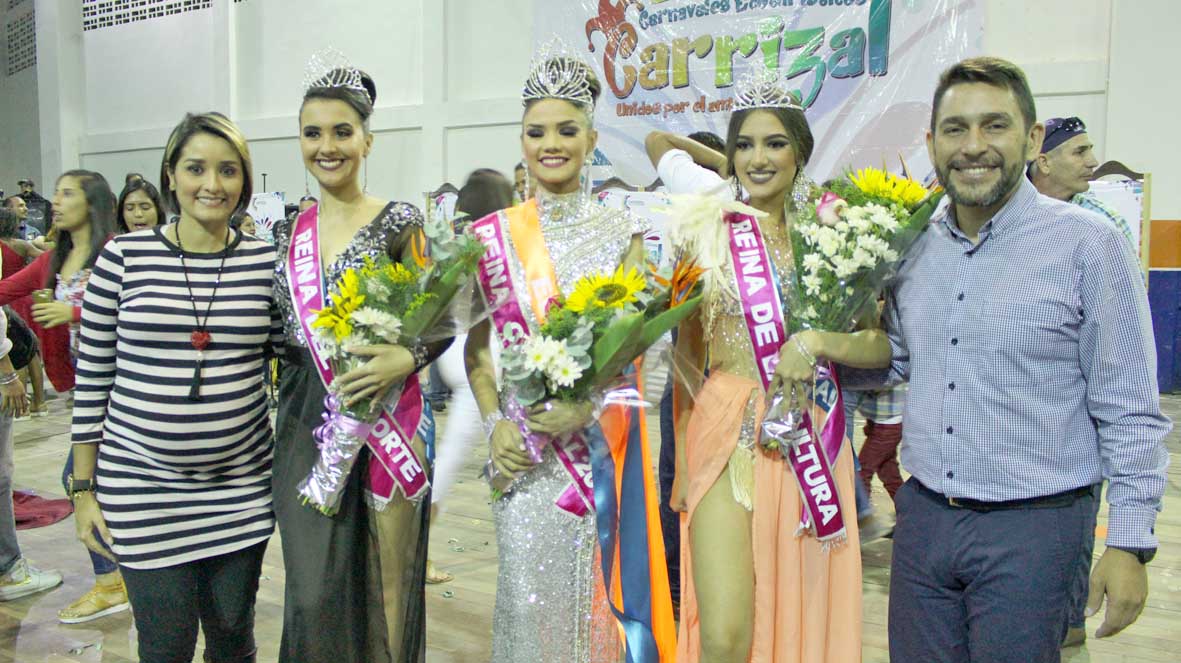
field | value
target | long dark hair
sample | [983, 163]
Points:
[10, 224]
[150, 191]
[486, 191]
[100, 204]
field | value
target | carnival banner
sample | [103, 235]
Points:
[864, 69]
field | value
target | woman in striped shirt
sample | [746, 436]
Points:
[172, 442]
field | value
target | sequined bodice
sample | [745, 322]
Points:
[581, 236]
[371, 241]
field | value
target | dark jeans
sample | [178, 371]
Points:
[1081, 583]
[670, 521]
[971, 586]
[860, 492]
[216, 593]
[437, 391]
[101, 564]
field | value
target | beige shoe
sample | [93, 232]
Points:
[100, 601]
[24, 579]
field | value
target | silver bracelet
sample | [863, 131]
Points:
[8, 378]
[490, 422]
[804, 351]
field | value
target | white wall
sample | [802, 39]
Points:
[449, 74]
[20, 144]
[20, 130]
[465, 117]
[1062, 45]
[1144, 97]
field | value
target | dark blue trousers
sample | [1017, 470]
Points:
[1081, 584]
[972, 587]
[670, 521]
[215, 594]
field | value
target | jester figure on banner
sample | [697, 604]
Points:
[764, 473]
[351, 479]
[582, 576]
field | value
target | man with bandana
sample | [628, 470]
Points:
[1065, 166]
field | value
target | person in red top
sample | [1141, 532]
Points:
[84, 216]
[15, 253]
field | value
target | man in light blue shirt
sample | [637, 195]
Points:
[1022, 325]
[1063, 170]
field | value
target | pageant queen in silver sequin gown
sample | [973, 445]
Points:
[550, 602]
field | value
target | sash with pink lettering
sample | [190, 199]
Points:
[811, 459]
[389, 437]
[496, 286]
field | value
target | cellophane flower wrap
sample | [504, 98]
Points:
[847, 240]
[380, 302]
[589, 339]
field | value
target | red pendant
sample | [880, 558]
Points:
[199, 338]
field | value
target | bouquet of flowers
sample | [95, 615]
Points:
[846, 241]
[591, 336]
[380, 302]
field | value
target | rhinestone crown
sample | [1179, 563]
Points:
[330, 68]
[556, 73]
[762, 88]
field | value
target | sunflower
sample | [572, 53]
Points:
[599, 290]
[902, 190]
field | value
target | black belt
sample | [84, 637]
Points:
[1055, 501]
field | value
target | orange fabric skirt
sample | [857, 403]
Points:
[807, 600]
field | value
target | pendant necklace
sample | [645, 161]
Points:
[199, 338]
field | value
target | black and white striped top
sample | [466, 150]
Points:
[178, 480]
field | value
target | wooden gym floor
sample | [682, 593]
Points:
[463, 543]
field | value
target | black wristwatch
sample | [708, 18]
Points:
[1145, 555]
[75, 486]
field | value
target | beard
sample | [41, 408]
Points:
[1011, 174]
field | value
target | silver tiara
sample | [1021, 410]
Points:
[556, 73]
[762, 88]
[330, 68]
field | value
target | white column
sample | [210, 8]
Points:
[61, 88]
[434, 97]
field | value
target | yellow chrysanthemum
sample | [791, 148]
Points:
[370, 268]
[902, 190]
[348, 286]
[600, 290]
[338, 315]
[397, 273]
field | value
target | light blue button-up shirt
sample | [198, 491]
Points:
[1031, 362]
